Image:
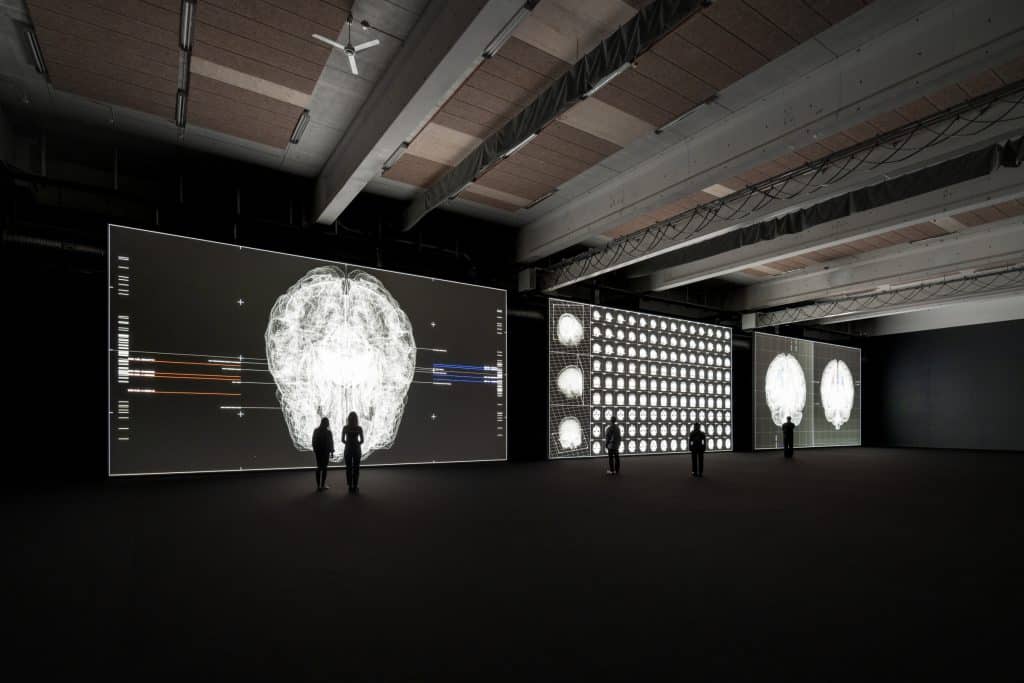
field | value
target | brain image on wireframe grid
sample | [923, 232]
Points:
[568, 379]
[837, 391]
[338, 342]
[656, 376]
[785, 389]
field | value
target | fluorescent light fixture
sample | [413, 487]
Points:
[188, 16]
[608, 79]
[179, 109]
[684, 115]
[300, 127]
[537, 201]
[395, 156]
[37, 52]
[506, 31]
[184, 67]
[518, 146]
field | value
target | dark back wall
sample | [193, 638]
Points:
[952, 388]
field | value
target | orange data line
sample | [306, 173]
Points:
[192, 393]
[178, 362]
[195, 375]
[194, 379]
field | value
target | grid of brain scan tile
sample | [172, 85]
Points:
[656, 375]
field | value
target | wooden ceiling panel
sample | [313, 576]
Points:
[648, 89]
[716, 41]
[499, 87]
[473, 113]
[248, 65]
[631, 104]
[485, 100]
[1011, 208]
[114, 61]
[599, 146]
[671, 76]
[536, 60]
[505, 69]
[638, 223]
[258, 52]
[969, 219]
[443, 145]
[530, 166]
[413, 170]
[794, 17]
[506, 182]
[917, 109]
[103, 89]
[605, 121]
[549, 150]
[241, 102]
[1012, 71]
[479, 198]
[293, 22]
[681, 52]
[448, 120]
[949, 96]
[989, 214]
[739, 19]
[209, 111]
[982, 83]
[155, 29]
[887, 121]
[61, 27]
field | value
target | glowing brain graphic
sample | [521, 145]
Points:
[570, 434]
[785, 389]
[338, 342]
[837, 392]
[570, 382]
[570, 330]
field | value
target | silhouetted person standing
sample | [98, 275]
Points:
[787, 438]
[323, 449]
[698, 442]
[612, 441]
[352, 437]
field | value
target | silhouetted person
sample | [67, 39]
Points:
[352, 437]
[698, 442]
[612, 441]
[323, 449]
[787, 438]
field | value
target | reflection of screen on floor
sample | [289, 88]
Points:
[816, 385]
[226, 358]
[656, 376]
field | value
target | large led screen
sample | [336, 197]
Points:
[226, 358]
[815, 384]
[656, 375]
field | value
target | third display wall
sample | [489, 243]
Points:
[815, 384]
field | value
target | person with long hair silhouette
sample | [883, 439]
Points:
[323, 449]
[352, 437]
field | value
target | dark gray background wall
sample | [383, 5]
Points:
[954, 388]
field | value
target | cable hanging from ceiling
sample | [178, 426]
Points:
[968, 119]
[999, 279]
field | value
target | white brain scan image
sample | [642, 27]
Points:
[570, 434]
[570, 382]
[338, 342]
[570, 330]
[837, 392]
[785, 389]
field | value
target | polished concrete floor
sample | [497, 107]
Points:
[841, 563]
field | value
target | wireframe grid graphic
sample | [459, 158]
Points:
[788, 375]
[837, 395]
[656, 375]
[224, 358]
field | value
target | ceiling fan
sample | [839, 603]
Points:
[350, 49]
